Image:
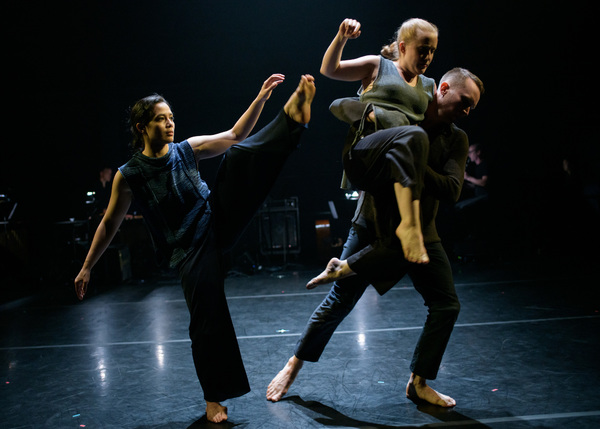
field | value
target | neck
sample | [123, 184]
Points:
[432, 119]
[155, 151]
[409, 77]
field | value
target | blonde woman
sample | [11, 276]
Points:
[393, 93]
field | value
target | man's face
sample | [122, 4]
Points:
[457, 101]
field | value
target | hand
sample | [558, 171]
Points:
[349, 28]
[81, 283]
[269, 85]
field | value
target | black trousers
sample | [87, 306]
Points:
[245, 177]
[433, 281]
[391, 155]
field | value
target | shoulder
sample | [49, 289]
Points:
[427, 83]
[458, 136]
[185, 152]
[120, 182]
[385, 63]
[182, 149]
[127, 168]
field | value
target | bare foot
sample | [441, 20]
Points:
[298, 106]
[284, 379]
[215, 412]
[411, 239]
[335, 270]
[418, 390]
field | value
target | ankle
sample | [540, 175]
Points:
[295, 363]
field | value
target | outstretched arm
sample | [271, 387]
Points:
[216, 144]
[362, 68]
[119, 203]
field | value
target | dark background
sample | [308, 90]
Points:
[72, 69]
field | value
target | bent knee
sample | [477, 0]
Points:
[447, 310]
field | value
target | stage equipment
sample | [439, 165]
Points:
[279, 229]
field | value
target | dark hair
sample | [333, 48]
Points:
[142, 113]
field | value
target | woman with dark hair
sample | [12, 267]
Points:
[193, 226]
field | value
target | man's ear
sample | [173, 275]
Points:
[444, 88]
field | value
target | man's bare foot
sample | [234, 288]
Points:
[298, 106]
[335, 270]
[284, 379]
[215, 412]
[418, 390]
[411, 239]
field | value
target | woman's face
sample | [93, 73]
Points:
[416, 55]
[161, 128]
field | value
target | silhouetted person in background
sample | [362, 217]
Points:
[475, 190]
[101, 189]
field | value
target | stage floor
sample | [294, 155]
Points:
[525, 353]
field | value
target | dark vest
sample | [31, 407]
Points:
[172, 197]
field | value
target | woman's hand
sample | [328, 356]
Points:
[269, 85]
[81, 282]
[349, 29]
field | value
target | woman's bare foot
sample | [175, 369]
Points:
[411, 239]
[418, 390]
[284, 379]
[215, 412]
[409, 231]
[298, 106]
[335, 270]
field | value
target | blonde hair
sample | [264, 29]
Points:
[406, 33]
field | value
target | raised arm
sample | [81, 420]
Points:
[363, 68]
[216, 144]
[120, 200]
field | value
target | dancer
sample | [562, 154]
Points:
[370, 251]
[394, 92]
[193, 226]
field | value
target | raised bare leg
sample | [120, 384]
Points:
[284, 379]
[335, 270]
[418, 390]
[298, 106]
[409, 231]
[215, 412]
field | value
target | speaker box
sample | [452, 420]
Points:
[279, 229]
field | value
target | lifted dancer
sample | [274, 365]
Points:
[378, 259]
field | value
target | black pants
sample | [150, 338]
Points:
[245, 177]
[391, 155]
[433, 281]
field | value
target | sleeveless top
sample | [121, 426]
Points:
[390, 97]
[172, 197]
[393, 100]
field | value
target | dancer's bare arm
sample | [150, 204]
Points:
[208, 146]
[120, 200]
[363, 68]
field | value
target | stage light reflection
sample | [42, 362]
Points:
[361, 339]
[101, 366]
[160, 355]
